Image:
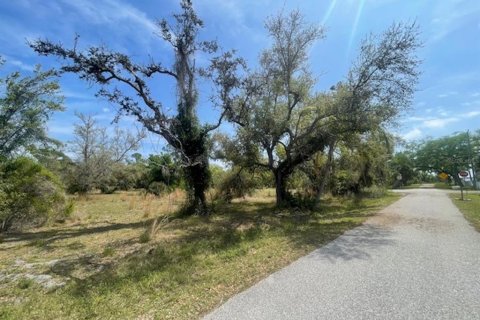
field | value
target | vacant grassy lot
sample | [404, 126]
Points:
[109, 262]
[469, 208]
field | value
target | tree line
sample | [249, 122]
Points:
[286, 132]
[424, 160]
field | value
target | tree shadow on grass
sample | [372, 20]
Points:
[49, 236]
[174, 263]
[225, 236]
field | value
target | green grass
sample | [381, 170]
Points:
[441, 185]
[188, 267]
[469, 208]
[412, 186]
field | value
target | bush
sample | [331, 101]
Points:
[30, 195]
[158, 188]
[375, 192]
[236, 184]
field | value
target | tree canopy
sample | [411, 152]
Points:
[287, 123]
[26, 104]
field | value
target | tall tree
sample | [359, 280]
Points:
[286, 123]
[26, 104]
[125, 83]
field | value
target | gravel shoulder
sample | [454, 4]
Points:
[418, 259]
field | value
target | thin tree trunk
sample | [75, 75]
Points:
[325, 173]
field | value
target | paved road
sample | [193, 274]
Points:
[419, 259]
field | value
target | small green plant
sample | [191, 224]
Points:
[145, 237]
[39, 243]
[108, 252]
[152, 230]
[25, 283]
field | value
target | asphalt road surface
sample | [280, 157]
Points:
[418, 259]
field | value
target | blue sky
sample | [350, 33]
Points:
[448, 96]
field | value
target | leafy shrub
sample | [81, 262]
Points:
[108, 252]
[145, 237]
[236, 184]
[25, 283]
[157, 188]
[30, 195]
[375, 191]
[345, 182]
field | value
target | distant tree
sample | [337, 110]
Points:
[26, 104]
[181, 129]
[449, 154]
[402, 165]
[97, 154]
[286, 124]
[164, 174]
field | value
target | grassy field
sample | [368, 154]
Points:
[469, 208]
[123, 256]
[442, 185]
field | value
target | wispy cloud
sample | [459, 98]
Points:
[19, 64]
[447, 94]
[413, 134]
[421, 104]
[449, 16]
[415, 118]
[109, 12]
[439, 123]
[471, 114]
[75, 94]
[60, 129]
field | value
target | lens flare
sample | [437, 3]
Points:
[327, 15]
[361, 4]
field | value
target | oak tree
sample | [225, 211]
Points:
[126, 84]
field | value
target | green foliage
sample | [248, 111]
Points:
[403, 163]
[287, 123]
[26, 104]
[449, 154]
[145, 237]
[236, 184]
[25, 283]
[30, 195]
[162, 174]
[108, 252]
[218, 175]
[158, 188]
[375, 192]
[363, 162]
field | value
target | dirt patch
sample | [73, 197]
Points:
[430, 224]
[385, 220]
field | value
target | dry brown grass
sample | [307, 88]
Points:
[187, 266]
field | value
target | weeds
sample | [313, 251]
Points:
[188, 267]
[25, 283]
[108, 252]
